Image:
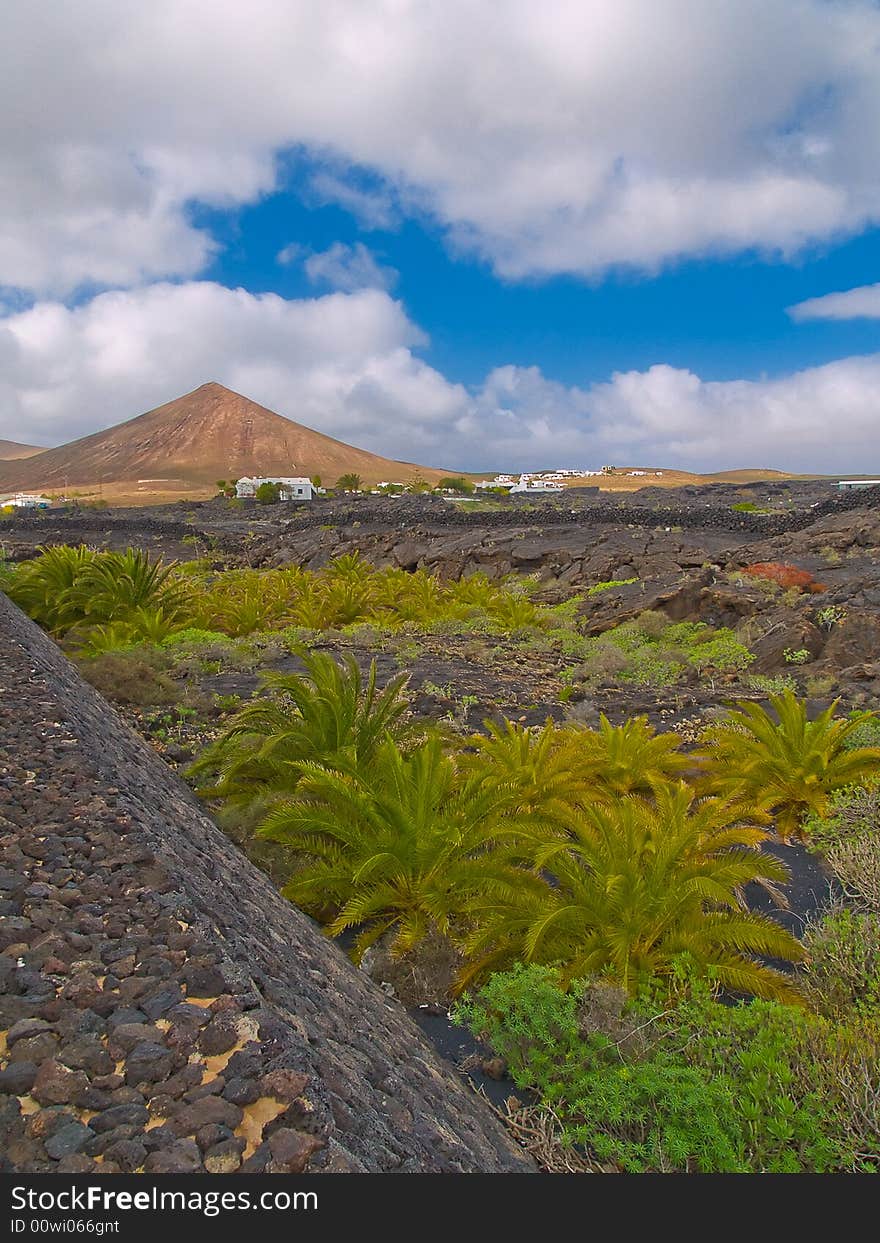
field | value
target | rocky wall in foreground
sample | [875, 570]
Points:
[161, 1007]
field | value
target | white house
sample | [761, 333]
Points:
[540, 487]
[25, 500]
[292, 487]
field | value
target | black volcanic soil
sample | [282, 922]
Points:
[161, 1007]
[685, 547]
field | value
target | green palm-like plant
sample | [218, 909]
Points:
[345, 601]
[327, 715]
[48, 587]
[142, 625]
[308, 607]
[421, 601]
[514, 611]
[241, 603]
[544, 771]
[632, 758]
[792, 766]
[474, 591]
[350, 482]
[114, 585]
[557, 769]
[350, 567]
[634, 887]
[96, 640]
[398, 847]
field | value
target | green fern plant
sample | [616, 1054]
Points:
[113, 586]
[328, 714]
[48, 587]
[396, 847]
[790, 765]
[632, 758]
[633, 886]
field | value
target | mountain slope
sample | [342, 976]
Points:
[209, 434]
[11, 451]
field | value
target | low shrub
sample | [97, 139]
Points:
[136, 677]
[784, 575]
[843, 962]
[698, 1086]
[652, 651]
[848, 838]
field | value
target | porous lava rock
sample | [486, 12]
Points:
[163, 1008]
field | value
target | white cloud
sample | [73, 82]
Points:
[374, 208]
[342, 363]
[347, 364]
[289, 254]
[554, 138]
[820, 420]
[349, 268]
[860, 303]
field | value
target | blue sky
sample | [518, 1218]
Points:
[467, 235]
[726, 319]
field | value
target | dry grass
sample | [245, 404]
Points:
[537, 1129]
[127, 678]
[855, 861]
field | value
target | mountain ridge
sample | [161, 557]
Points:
[13, 451]
[194, 440]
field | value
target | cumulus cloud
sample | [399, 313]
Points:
[349, 268]
[348, 364]
[820, 420]
[554, 138]
[343, 363]
[860, 303]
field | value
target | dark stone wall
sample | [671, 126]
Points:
[379, 512]
[163, 1008]
[143, 527]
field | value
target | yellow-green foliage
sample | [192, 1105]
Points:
[109, 601]
[148, 601]
[785, 762]
[67, 587]
[652, 651]
[624, 889]
[583, 849]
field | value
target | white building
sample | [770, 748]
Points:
[292, 487]
[486, 484]
[540, 487]
[25, 500]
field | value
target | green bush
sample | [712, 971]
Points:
[598, 588]
[133, 677]
[268, 493]
[866, 733]
[698, 1086]
[847, 835]
[652, 651]
[843, 962]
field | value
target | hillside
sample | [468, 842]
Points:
[11, 451]
[186, 445]
[646, 477]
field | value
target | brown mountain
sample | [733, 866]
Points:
[11, 451]
[188, 444]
